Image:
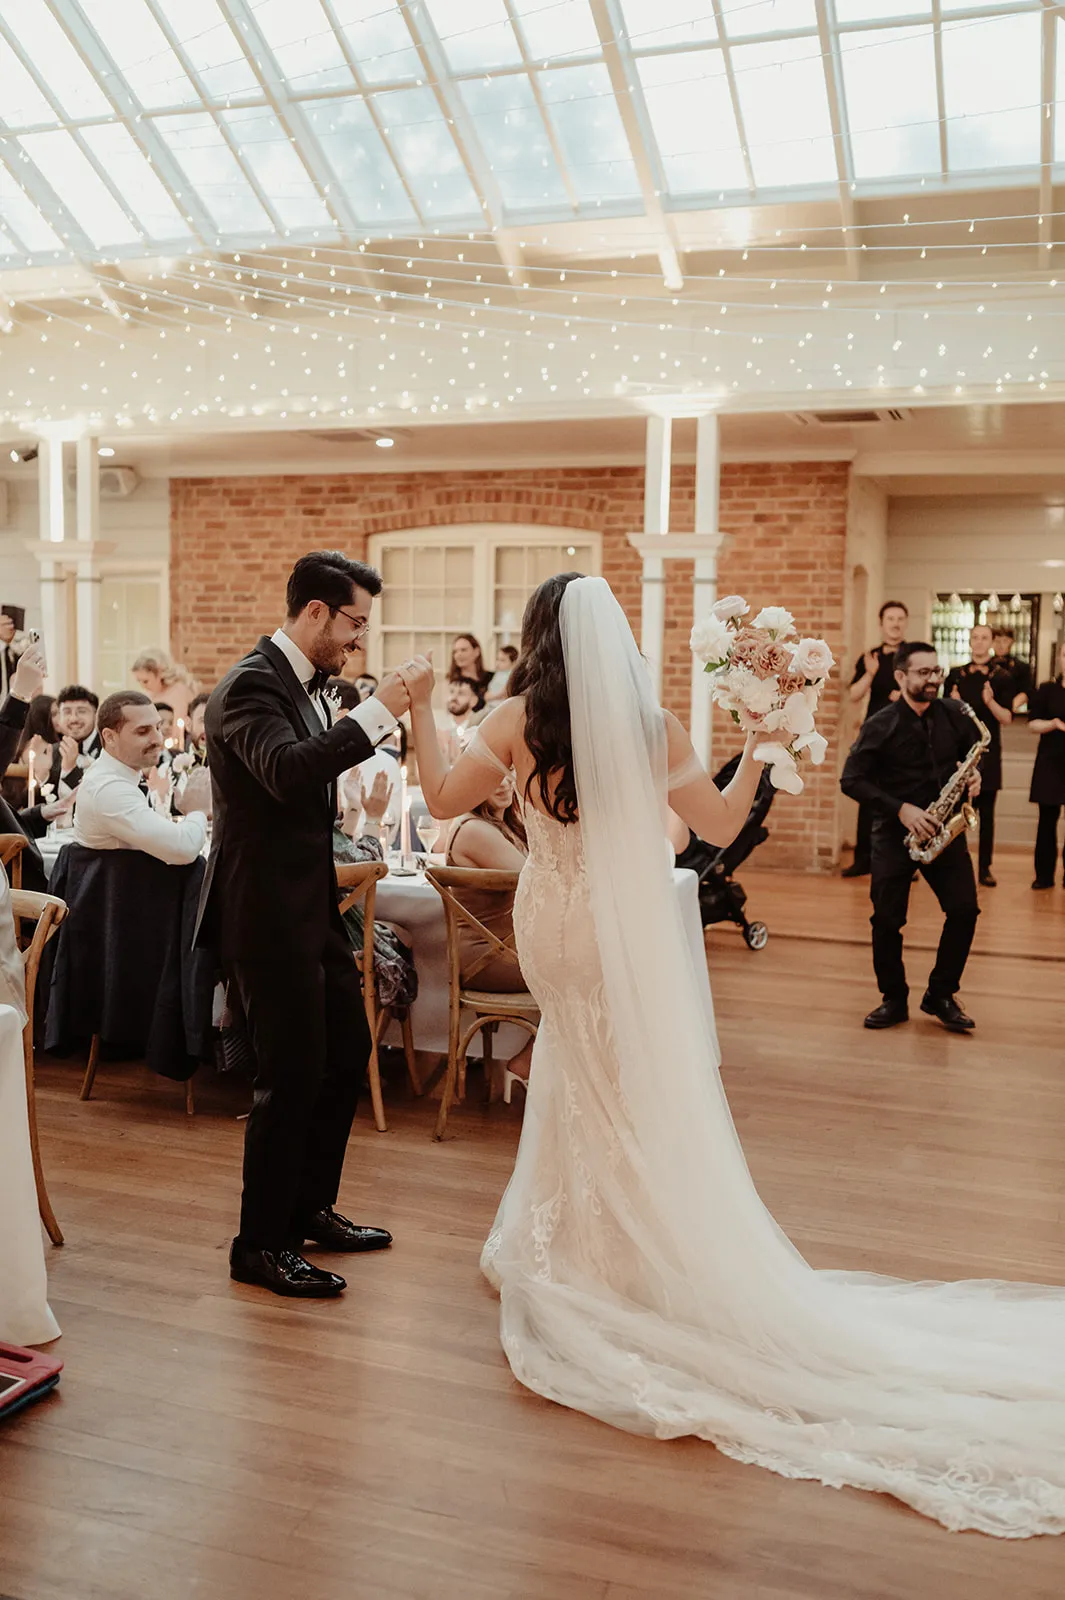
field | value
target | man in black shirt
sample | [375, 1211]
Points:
[1016, 675]
[990, 696]
[874, 675]
[898, 764]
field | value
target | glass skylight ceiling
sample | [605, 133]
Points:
[144, 126]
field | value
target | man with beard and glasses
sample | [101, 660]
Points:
[269, 908]
[899, 762]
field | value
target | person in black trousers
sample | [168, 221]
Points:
[874, 676]
[899, 763]
[269, 908]
[990, 694]
[1046, 717]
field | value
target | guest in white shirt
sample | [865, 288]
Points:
[113, 810]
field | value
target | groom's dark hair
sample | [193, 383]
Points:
[330, 576]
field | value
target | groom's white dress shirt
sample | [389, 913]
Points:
[112, 813]
[373, 718]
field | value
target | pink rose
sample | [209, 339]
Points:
[771, 660]
[812, 658]
[731, 605]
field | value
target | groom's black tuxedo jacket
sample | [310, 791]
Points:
[270, 892]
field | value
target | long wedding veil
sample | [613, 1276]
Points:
[949, 1395]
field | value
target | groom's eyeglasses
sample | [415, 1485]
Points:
[361, 628]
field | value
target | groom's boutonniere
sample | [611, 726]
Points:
[332, 703]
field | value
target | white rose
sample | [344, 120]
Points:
[710, 639]
[812, 658]
[760, 695]
[732, 605]
[798, 718]
[815, 746]
[783, 773]
[776, 619]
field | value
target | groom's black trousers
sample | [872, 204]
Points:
[310, 1039]
[950, 877]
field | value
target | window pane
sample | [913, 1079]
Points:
[377, 34]
[458, 610]
[48, 47]
[475, 34]
[691, 113]
[459, 566]
[18, 212]
[278, 169]
[357, 154]
[742, 18]
[652, 23]
[22, 101]
[395, 567]
[991, 76]
[303, 44]
[785, 112]
[510, 565]
[555, 30]
[430, 158]
[589, 129]
[879, 10]
[890, 85]
[211, 47]
[210, 166]
[1059, 95]
[133, 176]
[79, 187]
[512, 133]
[429, 566]
[139, 49]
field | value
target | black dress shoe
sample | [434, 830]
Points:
[284, 1272]
[1037, 883]
[331, 1231]
[988, 880]
[888, 1015]
[949, 1013]
[855, 870]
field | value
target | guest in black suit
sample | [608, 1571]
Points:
[874, 682]
[269, 907]
[1046, 717]
[1017, 675]
[79, 741]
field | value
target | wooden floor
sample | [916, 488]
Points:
[210, 1441]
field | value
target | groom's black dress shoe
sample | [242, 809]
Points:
[949, 1012]
[888, 1015]
[329, 1230]
[284, 1272]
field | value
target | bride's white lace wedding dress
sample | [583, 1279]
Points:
[641, 1279]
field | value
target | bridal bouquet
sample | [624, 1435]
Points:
[769, 680]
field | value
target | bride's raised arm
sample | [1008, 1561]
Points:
[449, 791]
[716, 815]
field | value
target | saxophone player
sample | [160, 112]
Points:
[901, 760]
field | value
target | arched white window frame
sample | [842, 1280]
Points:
[485, 539]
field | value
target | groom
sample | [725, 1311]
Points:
[269, 907]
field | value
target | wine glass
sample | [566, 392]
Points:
[428, 829]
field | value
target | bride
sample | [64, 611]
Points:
[641, 1279]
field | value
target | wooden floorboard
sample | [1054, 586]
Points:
[209, 1442]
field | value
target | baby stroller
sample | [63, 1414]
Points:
[720, 898]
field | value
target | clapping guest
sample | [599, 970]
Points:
[1017, 674]
[114, 811]
[79, 742]
[1046, 717]
[498, 688]
[989, 696]
[16, 710]
[34, 748]
[196, 736]
[874, 682]
[167, 724]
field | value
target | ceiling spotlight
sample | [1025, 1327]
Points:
[385, 442]
[105, 450]
[15, 456]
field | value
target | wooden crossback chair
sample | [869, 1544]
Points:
[359, 880]
[11, 848]
[46, 912]
[489, 1009]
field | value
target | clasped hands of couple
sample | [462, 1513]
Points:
[414, 680]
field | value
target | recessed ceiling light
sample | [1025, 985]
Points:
[1054, 563]
[15, 456]
[384, 443]
[105, 450]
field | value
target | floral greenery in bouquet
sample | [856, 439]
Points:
[769, 680]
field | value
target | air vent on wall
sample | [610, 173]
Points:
[354, 436]
[116, 483]
[846, 419]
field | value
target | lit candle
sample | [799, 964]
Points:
[404, 815]
[32, 783]
[181, 732]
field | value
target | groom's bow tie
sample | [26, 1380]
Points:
[318, 683]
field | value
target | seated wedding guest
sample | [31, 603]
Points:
[366, 684]
[12, 642]
[1046, 717]
[874, 677]
[467, 661]
[464, 701]
[79, 742]
[395, 980]
[342, 696]
[36, 744]
[492, 836]
[15, 712]
[989, 696]
[167, 724]
[1017, 674]
[113, 810]
[163, 679]
[195, 733]
[505, 659]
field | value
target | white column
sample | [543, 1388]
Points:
[54, 621]
[655, 521]
[87, 576]
[704, 583]
[50, 500]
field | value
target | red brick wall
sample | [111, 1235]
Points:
[233, 541]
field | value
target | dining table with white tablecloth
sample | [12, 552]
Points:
[25, 1316]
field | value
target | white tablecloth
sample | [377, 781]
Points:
[50, 847]
[415, 905]
[25, 1317]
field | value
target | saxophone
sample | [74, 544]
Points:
[944, 807]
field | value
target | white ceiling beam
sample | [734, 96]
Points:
[941, 94]
[1047, 133]
[833, 69]
[734, 93]
[623, 80]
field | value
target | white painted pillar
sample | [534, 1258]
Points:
[87, 576]
[51, 509]
[50, 499]
[704, 583]
[655, 521]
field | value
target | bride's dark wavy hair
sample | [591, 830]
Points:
[540, 677]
